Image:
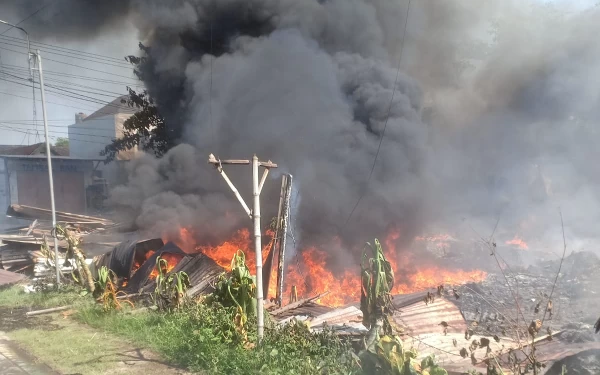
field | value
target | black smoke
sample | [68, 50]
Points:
[493, 115]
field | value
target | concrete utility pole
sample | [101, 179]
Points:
[254, 214]
[37, 56]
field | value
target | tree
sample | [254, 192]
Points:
[146, 129]
[61, 142]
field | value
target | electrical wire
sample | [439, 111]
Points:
[26, 18]
[3, 127]
[66, 132]
[65, 49]
[386, 119]
[73, 65]
[84, 58]
[17, 69]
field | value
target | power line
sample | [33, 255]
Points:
[386, 119]
[67, 128]
[74, 76]
[84, 58]
[65, 49]
[26, 18]
[72, 94]
[73, 65]
[4, 127]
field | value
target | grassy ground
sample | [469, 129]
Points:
[204, 338]
[73, 348]
[67, 345]
[201, 338]
[15, 297]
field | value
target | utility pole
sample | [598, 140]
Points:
[254, 214]
[286, 188]
[38, 57]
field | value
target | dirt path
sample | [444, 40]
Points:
[13, 361]
[69, 347]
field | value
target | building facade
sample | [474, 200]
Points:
[24, 181]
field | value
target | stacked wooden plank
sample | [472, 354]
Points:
[32, 213]
[20, 249]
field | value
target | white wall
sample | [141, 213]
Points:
[4, 197]
[88, 138]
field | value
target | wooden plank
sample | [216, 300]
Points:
[297, 304]
[30, 212]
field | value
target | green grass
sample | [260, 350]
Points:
[73, 348]
[15, 297]
[204, 338]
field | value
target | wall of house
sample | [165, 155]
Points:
[29, 185]
[4, 190]
[88, 138]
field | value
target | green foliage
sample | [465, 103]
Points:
[237, 290]
[146, 128]
[430, 367]
[204, 337]
[61, 142]
[377, 279]
[170, 291]
[385, 355]
[15, 297]
[105, 290]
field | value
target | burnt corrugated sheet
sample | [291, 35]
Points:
[309, 309]
[140, 277]
[402, 300]
[122, 256]
[202, 271]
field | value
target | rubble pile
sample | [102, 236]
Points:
[490, 308]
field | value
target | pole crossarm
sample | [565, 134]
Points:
[214, 160]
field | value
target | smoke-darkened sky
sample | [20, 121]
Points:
[493, 115]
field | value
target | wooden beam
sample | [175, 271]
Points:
[262, 180]
[212, 159]
[294, 305]
[46, 311]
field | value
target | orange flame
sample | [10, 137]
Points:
[518, 242]
[172, 260]
[310, 273]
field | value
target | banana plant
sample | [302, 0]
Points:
[377, 280]
[238, 289]
[385, 354]
[105, 290]
[170, 287]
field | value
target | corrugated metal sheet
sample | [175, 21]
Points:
[309, 309]
[448, 355]
[9, 278]
[140, 277]
[549, 352]
[418, 317]
[202, 271]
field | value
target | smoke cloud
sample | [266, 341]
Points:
[492, 115]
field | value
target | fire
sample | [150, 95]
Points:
[311, 273]
[137, 263]
[518, 242]
[172, 260]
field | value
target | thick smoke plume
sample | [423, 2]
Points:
[492, 115]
